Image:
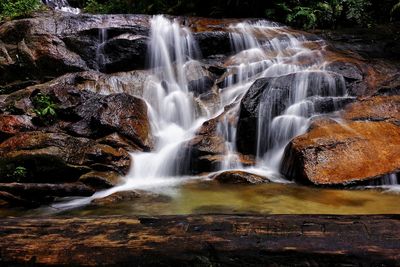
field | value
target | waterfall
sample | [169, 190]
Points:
[170, 105]
[61, 5]
[270, 51]
[290, 65]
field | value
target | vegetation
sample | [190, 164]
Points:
[300, 13]
[18, 8]
[20, 173]
[45, 108]
[305, 14]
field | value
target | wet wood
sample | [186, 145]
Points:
[212, 240]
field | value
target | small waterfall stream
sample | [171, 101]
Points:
[62, 5]
[262, 50]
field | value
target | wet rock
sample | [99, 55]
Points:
[117, 141]
[131, 82]
[206, 151]
[199, 79]
[336, 154]
[390, 86]
[379, 41]
[38, 57]
[100, 180]
[56, 157]
[124, 53]
[35, 192]
[54, 43]
[354, 73]
[13, 124]
[124, 196]
[239, 177]
[378, 108]
[273, 95]
[9, 200]
[213, 43]
[87, 114]
[330, 104]
[89, 44]
[122, 113]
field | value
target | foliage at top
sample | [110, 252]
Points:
[299, 13]
[18, 8]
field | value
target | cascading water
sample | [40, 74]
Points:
[170, 105]
[62, 5]
[294, 81]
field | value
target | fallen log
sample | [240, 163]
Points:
[209, 240]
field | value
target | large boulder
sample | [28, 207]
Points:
[213, 42]
[56, 157]
[121, 113]
[273, 96]
[124, 53]
[334, 154]
[204, 152]
[207, 150]
[90, 44]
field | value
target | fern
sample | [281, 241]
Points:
[303, 15]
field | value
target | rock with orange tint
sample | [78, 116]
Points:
[343, 154]
[378, 108]
[13, 124]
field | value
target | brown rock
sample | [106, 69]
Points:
[239, 177]
[100, 180]
[337, 154]
[56, 157]
[13, 124]
[120, 113]
[377, 108]
[117, 141]
[129, 196]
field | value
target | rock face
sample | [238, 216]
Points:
[52, 44]
[336, 154]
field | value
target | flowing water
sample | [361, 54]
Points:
[260, 50]
[61, 5]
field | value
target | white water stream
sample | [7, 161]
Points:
[261, 49]
[62, 5]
